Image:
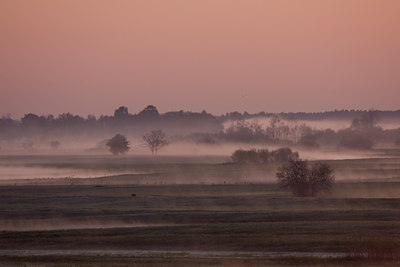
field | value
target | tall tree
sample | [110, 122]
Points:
[119, 144]
[121, 112]
[149, 111]
[155, 140]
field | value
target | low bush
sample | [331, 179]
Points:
[263, 155]
[304, 181]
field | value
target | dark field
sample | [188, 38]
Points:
[200, 211]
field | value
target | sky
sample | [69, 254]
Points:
[92, 56]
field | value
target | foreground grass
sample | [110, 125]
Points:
[316, 236]
[360, 218]
[185, 261]
[246, 217]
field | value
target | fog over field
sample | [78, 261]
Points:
[315, 140]
[186, 182]
[191, 133]
[200, 133]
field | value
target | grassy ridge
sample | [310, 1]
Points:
[217, 217]
[185, 170]
[226, 213]
[294, 235]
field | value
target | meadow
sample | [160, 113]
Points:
[198, 210]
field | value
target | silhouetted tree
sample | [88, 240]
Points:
[33, 121]
[91, 118]
[119, 144]
[368, 120]
[283, 154]
[274, 125]
[240, 131]
[149, 111]
[121, 112]
[155, 140]
[321, 178]
[297, 177]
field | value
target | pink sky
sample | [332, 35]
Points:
[91, 56]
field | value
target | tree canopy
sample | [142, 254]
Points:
[119, 144]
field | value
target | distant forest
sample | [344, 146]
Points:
[206, 128]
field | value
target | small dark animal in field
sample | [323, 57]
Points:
[133, 195]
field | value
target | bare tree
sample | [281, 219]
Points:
[296, 176]
[155, 140]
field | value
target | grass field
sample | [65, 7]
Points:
[198, 211]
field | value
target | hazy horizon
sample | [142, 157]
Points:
[137, 111]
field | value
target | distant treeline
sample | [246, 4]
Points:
[363, 133]
[203, 127]
[149, 118]
[343, 114]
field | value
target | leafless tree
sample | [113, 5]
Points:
[303, 181]
[155, 140]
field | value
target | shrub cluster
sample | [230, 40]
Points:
[263, 155]
[303, 180]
